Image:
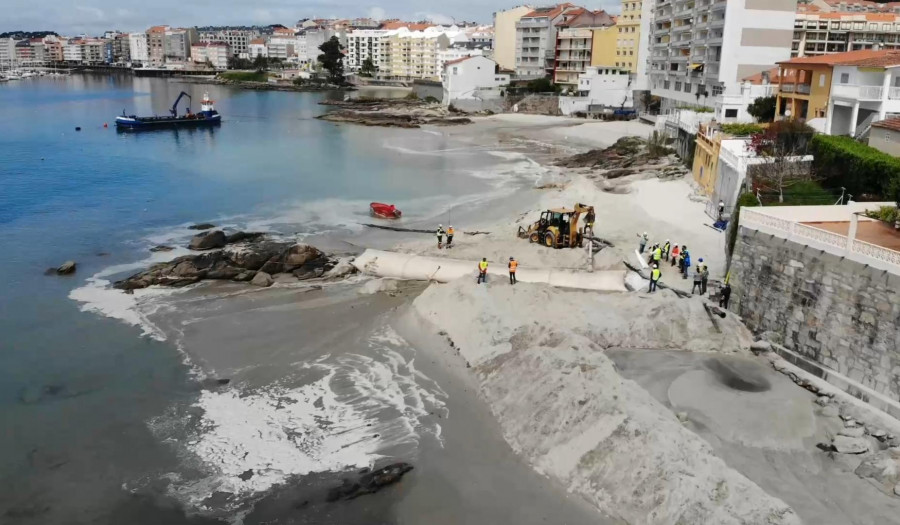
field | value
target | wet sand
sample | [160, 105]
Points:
[764, 426]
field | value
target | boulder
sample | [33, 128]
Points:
[761, 347]
[243, 236]
[300, 254]
[208, 240]
[254, 256]
[66, 268]
[850, 445]
[223, 270]
[244, 276]
[202, 226]
[823, 400]
[161, 248]
[854, 432]
[369, 482]
[262, 279]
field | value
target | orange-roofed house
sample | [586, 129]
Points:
[536, 39]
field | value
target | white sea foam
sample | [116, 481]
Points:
[361, 406]
[98, 296]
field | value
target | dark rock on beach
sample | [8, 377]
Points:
[66, 268]
[394, 113]
[255, 259]
[161, 248]
[369, 482]
[208, 240]
[202, 226]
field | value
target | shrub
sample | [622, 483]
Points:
[742, 130]
[763, 109]
[888, 214]
[697, 109]
[431, 100]
[656, 145]
[542, 85]
[866, 172]
[245, 76]
[412, 95]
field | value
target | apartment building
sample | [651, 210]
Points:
[258, 48]
[156, 45]
[213, 53]
[628, 29]
[504, 42]
[73, 51]
[282, 46]
[363, 44]
[409, 55]
[7, 53]
[702, 49]
[238, 40]
[178, 44]
[603, 45]
[120, 49]
[818, 33]
[53, 51]
[25, 53]
[574, 45]
[863, 90]
[137, 46]
[536, 40]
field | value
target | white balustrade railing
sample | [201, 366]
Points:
[894, 93]
[834, 243]
[870, 92]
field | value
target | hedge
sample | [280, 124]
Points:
[867, 173]
[742, 130]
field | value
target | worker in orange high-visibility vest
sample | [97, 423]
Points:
[450, 232]
[513, 264]
[482, 271]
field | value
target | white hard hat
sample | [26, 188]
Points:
[440, 225]
[645, 233]
[451, 225]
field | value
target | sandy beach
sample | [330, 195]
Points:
[519, 404]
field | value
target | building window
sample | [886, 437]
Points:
[822, 80]
[845, 78]
[730, 113]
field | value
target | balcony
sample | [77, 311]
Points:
[856, 92]
[717, 22]
[894, 93]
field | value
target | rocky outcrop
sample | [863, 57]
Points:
[202, 226]
[255, 260]
[208, 240]
[66, 268]
[392, 113]
[369, 482]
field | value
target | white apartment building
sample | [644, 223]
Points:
[536, 40]
[862, 92]
[258, 48]
[72, 51]
[238, 40]
[472, 78]
[7, 53]
[139, 51]
[363, 44]
[504, 42]
[701, 49]
[215, 53]
[282, 47]
[178, 44]
[826, 33]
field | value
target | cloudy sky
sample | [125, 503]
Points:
[95, 16]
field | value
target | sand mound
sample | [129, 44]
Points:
[562, 405]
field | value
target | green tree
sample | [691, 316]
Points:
[763, 109]
[332, 59]
[260, 63]
[368, 68]
[542, 85]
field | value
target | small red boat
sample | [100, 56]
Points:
[385, 211]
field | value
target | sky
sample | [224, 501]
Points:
[93, 17]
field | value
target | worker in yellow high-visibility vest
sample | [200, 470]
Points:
[482, 271]
[655, 276]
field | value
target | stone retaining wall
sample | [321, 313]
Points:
[837, 312]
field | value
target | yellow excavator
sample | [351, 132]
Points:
[558, 228]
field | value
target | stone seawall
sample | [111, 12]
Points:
[837, 312]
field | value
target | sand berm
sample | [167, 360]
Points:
[538, 354]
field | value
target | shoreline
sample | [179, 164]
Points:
[262, 86]
[543, 379]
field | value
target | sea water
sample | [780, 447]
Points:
[100, 401]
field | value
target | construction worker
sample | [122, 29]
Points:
[482, 271]
[440, 236]
[450, 232]
[721, 210]
[655, 276]
[657, 255]
[698, 282]
[726, 296]
[643, 241]
[704, 275]
[652, 251]
[686, 255]
[667, 247]
[676, 254]
[513, 265]
[589, 223]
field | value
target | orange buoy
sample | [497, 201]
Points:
[105, 125]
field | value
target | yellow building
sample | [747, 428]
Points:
[628, 34]
[603, 46]
[805, 82]
[409, 55]
[706, 158]
[505, 35]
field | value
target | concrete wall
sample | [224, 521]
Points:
[428, 88]
[885, 140]
[837, 312]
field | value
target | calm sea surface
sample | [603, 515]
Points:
[76, 388]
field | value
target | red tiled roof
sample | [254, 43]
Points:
[890, 59]
[892, 124]
[258, 41]
[549, 12]
[774, 74]
[837, 58]
[412, 26]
